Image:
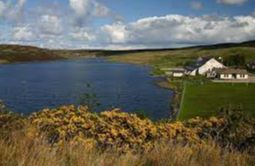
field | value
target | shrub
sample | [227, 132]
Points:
[108, 129]
[125, 132]
[9, 121]
[231, 128]
[235, 60]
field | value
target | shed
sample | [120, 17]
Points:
[174, 72]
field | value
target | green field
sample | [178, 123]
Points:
[180, 57]
[205, 99]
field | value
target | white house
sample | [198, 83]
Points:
[230, 74]
[202, 67]
[174, 72]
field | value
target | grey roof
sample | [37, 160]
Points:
[198, 63]
[232, 71]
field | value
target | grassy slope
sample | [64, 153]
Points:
[17, 53]
[156, 57]
[204, 100]
[178, 57]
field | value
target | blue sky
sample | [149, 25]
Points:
[125, 24]
[132, 10]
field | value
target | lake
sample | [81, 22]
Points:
[30, 87]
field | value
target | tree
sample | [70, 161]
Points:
[235, 60]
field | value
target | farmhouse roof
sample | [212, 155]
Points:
[232, 71]
[198, 63]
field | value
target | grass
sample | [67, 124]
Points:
[74, 136]
[23, 151]
[179, 57]
[198, 99]
[157, 58]
[204, 99]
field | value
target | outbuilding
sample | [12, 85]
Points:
[174, 72]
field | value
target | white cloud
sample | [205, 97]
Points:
[196, 5]
[2, 8]
[21, 3]
[50, 24]
[231, 2]
[86, 10]
[23, 33]
[174, 30]
[150, 32]
[12, 10]
[89, 8]
[117, 32]
[80, 7]
[101, 10]
[83, 34]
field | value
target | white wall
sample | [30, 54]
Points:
[226, 76]
[238, 76]
[178, 74]
[174, 74]
[193, 73]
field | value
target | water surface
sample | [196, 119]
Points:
[29, 87]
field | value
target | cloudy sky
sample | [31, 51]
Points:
[125, 24]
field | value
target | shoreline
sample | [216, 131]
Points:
[176, 88]
[5, 62]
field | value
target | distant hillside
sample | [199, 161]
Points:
[228, 45]
[18, 53]
[179, 57]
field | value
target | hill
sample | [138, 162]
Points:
[181, 56]
[18, 53]
[173, 56]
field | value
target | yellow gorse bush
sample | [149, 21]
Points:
[9, 121]
[112, 128]
[71, 135]
[125, 131]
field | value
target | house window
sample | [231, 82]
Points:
[225, 75]
[242, 76]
